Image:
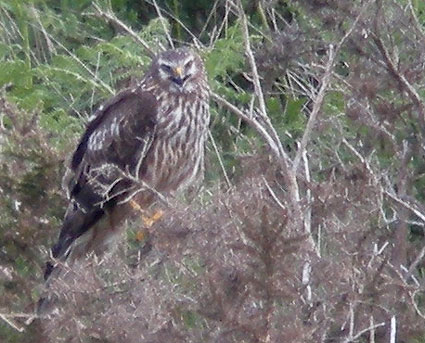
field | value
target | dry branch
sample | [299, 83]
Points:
[324, 84]
[110, 17]
[393, 70]
[256, 125]
[9, 318]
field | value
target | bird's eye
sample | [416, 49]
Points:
[166, 67]
[188, 64]
[186, 77]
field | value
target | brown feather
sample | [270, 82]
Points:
[153, 134]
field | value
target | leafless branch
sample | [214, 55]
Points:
[393, 70]
[255, 76]
[167, 34]
[362, 332]
[250, 120]
[416, 306]
[9, 319]
[418, 26]
[273, 194]
[405, 204]
[393, 329]
[78, 60]
[415, 263]
[324, 84]
[220, 160]
[110, 16]
[260, 95]
[317, 105]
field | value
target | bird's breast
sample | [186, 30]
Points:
[176, 156]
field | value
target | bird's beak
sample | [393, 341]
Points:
[177, 77]
[178, 72]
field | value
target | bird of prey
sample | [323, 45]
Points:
[145, 142]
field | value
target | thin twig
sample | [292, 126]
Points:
[251, 59]
[81, 63]
[283, 158]
[109, 16]
[392, 68]
[8, 318]
[416, 306]
[220, 160]
[324, 84]
[163, 20]
[317, 106]
[178, 21]
[362, 332]
[405, 204]
[273, 194]
[415, 263]
[418, 25]
[249, 120]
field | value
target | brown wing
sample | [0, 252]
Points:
[114, 143]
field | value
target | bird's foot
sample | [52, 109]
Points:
[148, 220]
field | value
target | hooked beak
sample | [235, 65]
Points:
[177, 76]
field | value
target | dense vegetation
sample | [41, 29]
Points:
[310, 224]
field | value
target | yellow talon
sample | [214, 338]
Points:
[141, 235]
[149, 221]
[136, 206]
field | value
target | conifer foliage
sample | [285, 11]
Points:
[309, 226]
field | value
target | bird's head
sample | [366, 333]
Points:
[180, 70]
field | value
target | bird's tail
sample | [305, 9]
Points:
[76, 222]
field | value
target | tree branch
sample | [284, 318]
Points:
[109, 16]
[324, 84]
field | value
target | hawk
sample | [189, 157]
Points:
[145, 141]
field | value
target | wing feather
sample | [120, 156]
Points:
[114, 143]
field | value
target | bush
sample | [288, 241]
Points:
[309, 226]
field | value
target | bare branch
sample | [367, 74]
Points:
[324, 84]
[362, 332]
[78, 60]
[273, 194]
[392, 68]
[260, 96]
[416, 306]
[195, 40]
[109, 16]
[418, 26]
[415, 263]
[9, 319]
[251, 121]
[158, 11]
[405, 204]
[251, 59]
[393, 329]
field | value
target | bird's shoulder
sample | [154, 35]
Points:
[132, 108]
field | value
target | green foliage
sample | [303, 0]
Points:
[58, 62]
[227, 56]
[419, 8]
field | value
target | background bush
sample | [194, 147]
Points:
[310, 223]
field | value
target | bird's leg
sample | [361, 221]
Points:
[148, 220]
